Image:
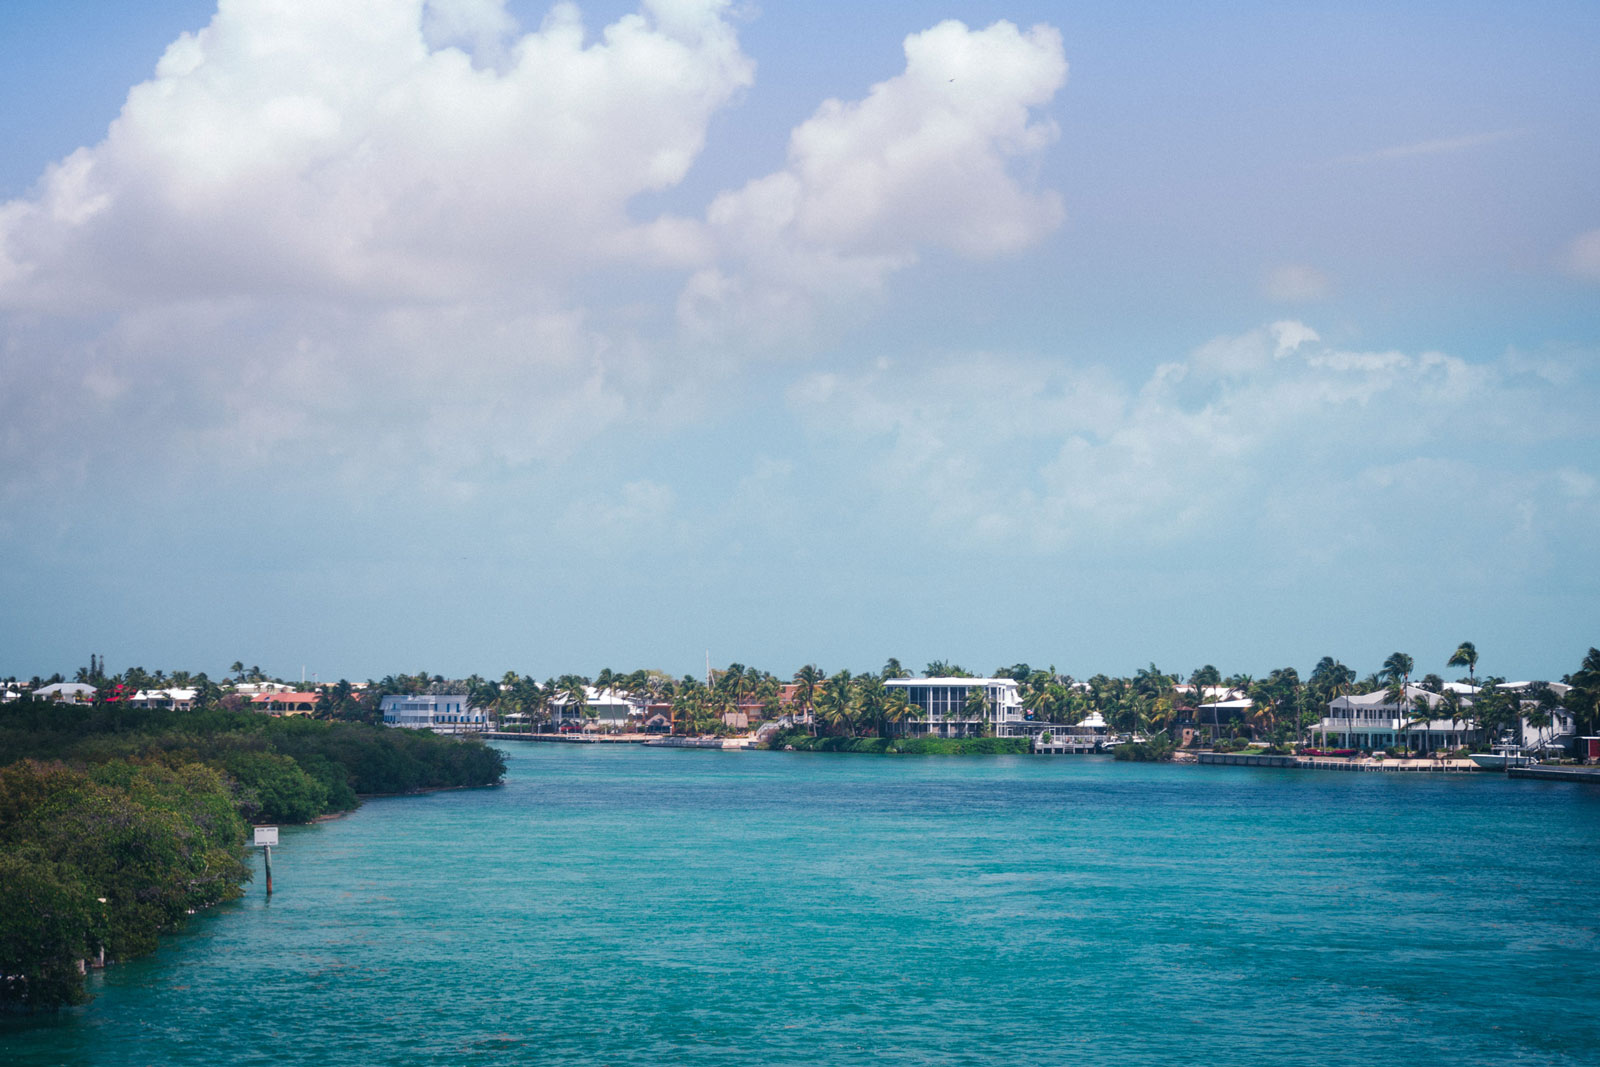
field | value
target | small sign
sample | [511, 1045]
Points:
[266, 835]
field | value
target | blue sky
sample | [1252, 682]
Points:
[472, 336]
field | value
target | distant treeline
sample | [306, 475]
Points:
[117, 822]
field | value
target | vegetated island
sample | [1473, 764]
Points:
[118, 822]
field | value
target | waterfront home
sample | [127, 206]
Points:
[177, 699]
[1087, 735]
[444, 713]
[607, 709]
[1234, 708]
[284, 703]
[1374, 720]
[941, 706]
[66, 693]
[254, 689]
[1208, 694]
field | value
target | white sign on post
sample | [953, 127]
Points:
[266, 835]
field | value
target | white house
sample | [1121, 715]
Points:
[66, 692]
[606, 708]
[939, 706]
[1372, 720]
[178, 698]
[446, 713]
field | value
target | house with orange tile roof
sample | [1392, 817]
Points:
[285, 703]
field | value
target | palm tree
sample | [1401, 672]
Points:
[1451, 703]
[536, 699]
[1421, 715]
[978, 706]
[1545, 704]
[1397, 668]
[1466, 656]
[1200, 679]
[1583, 699]
[575, 697]
[1495, 710]
[1150, 682]
[896, 709]
[806, 681]
[1329, 680]
[869, 696]
[836, 704]
[1395, 695]
[1038, 700]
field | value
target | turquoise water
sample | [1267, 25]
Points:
[620, 905]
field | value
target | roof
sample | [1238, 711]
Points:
[967, 682]
[165, 694]
[1379, 698]
[65, 689]
[285, 698]
[598, 697]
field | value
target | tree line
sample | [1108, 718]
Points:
[117, 822]
[1282, 704]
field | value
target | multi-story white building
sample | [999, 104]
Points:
[941, 706]
[448, 713]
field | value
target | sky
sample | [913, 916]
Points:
[377, 336]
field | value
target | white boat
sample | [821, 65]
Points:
[1499, 761]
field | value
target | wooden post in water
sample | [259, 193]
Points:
[266, 837]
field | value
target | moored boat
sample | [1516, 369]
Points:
[1499, 761]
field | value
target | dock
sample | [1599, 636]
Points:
[572, 739]
[1065, 746]
[1241, 759]
[652, 740]
[1586, 775]
[729, 743]
[1393, 766]
[1313, 763]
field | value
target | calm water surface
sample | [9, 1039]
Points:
[624, 906]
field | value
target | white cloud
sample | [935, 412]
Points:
[352, 238]
[926, 160]
[1272, 431]
[1583, 256]
[352, 150]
